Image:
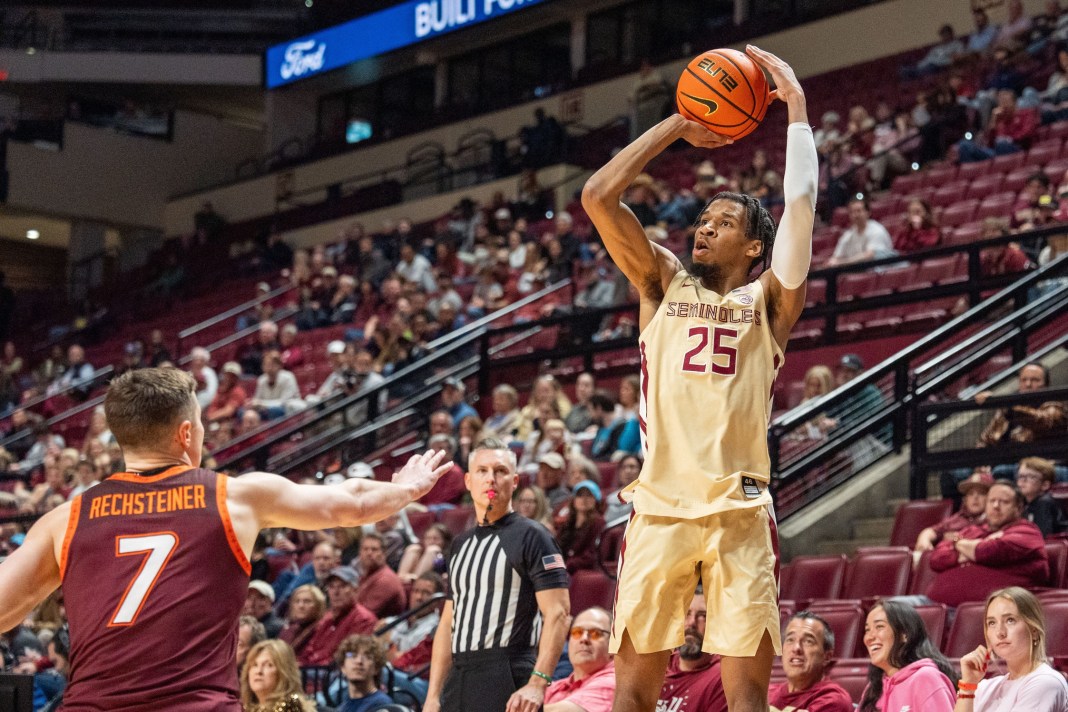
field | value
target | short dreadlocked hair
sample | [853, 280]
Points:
[759, 225]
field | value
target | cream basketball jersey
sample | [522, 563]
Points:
[708, 365]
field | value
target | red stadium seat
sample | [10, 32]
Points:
[950, 193]
[974, 170]
[934, 620]
[854, 285]
[813, 577]
[967, 630]
[959, 213]
[420, 521]
[984, 186]
[591, 588]
[964, 234]
[998, 205]
[1056, 611]
[1045, 151]
[459, 519]
[1056, 169]
[915, 516]
[878, 572]
[940, 175]
[1008, 162]
[907, 183]
[1056, 130]
[847, 622]
[1057, 553]
[816, 293]
[852, 674]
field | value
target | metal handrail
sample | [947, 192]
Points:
[232, 312]
[432, 601]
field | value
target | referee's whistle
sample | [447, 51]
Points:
[491, 493]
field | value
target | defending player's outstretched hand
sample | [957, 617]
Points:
[782, 74]
[422, 471]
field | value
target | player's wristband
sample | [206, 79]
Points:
[543, 676]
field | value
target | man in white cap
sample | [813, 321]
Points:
[259, 603]
[207, 381]
[339, 363]
[550, 478]
[230, 397]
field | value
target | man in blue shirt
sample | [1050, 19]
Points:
[361, 659]
[452, 400]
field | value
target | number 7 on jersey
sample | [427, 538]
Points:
[157, 549]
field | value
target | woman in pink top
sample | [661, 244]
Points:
[907, 672]
[1016, 633]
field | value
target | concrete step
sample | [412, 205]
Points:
[846, 546]
[873, 528]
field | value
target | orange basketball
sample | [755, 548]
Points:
[724, 90]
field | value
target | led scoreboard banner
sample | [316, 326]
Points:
[400, 26]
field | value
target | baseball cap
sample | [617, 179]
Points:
[232, 367]
[335, 347]
[263, 588]
[361, 470]
[334, 478]
[1047, 201]
[852, 361]
[977, 481]
[346, 574]
[453, 382]
[591, 487]
[553, 459]
[329, 271]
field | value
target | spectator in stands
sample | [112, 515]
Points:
[939, 57]
[44, 440]
[98, 430]
[865, 239]
[1054, 100]
[449, 490]
[580, 418]
[507, 422]
[627, 470]
[277, 255]
[552, 436]
[819, 381]
[542, 143]
[306, 607]
[230, 396]
[1025, 423]
[919, 230]
[292, 355]
[581, 468]
[7, 303]
[983, 38]
[421, 625]
[157, 349]
[1034, 477]
[1016, 632]
[395, 534]
[325, 557]
[271, 680]
[250, 356]
[250, 632]
[1014, 33]
[441, 423]
[452, 400]
[550, 478]
[1037, 185]
[471, 432]
[207, 380]
[132, 358]
[381, 590]
[579, 533]
[361, 659]
[259, 603]
[345, 617]
[277, 392]
[694, 680]
[616, 435]
[531, 502]
[761, 181]
[86, 475]
[827, 135]
[426, 555]
[1004, 550]
[907, 671]
[592, 685]
[1006, 260]
[807, 649]
[1012, 130]
[338, 357]
[415, 268]
[972, 511]
[76, 376]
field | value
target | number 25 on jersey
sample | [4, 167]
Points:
[722, 360]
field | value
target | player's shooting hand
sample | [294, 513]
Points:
[697, 135]
[527, 698]
[422, 471]
[782, 74]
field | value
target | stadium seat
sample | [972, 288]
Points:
[1017, 179]
[905, 184]
[591, 588]
[817, 292]
[459, 519]
[814, 577]
[877, 572]
[951, 192]
[964, 234]
[1056, 169]
[847, 622]
[419, 521]
[974, 170]
[984, 186]
[1045, 151]
[855, 285]
[996, 205]
[886, 208]
[1056, 611]
[959, 213]
[934, 620]
[1057, 553]
[967, 630]
[1007, 162]
[915, 516]
[1056, 130]
[852, 674]
[940, 175]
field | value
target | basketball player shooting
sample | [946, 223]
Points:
[154, 562]
[711, 344]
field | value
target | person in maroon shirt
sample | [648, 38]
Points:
[450, 488]
[694, 681]
[972, 511]
[306, 608]
[807, 647]
[346, 617]
[1005, 550]
[230, 396]
[154, 562]
[381, 589]
[919, 230]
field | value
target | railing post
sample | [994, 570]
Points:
[483, 357]
[975, 275]
[918, 456]
[830, 297]
[901, 395]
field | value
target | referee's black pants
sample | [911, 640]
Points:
[483, 681]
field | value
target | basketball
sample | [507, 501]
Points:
[724, 90]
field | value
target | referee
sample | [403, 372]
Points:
[508, 588]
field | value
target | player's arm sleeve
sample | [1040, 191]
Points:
[792, 255]
[543, 560]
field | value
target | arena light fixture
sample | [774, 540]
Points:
[32, 234]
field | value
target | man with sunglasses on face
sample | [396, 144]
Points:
[591, 687]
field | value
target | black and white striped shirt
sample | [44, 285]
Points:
[494, 572]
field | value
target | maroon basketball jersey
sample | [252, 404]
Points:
[154, 581]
